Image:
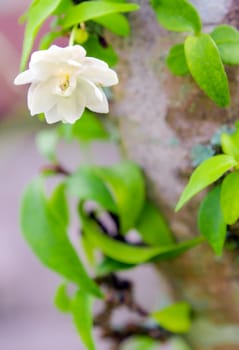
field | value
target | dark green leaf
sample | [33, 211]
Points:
[205, 65]
[176, 60]
[89, 10]
[58, 203]
[48, 239]
[86, 185]
[229, 198]
[88, 128]
[81, 308]
[109, 265]
[207, 173]
[175, 318]
[116, 23]
[38, 12]
[95, 49]
[230, 143]
[46, 141]
[211, 222]
[126, 184]
[153, 227]
[62, 300]
[227, 40]
[177, 15]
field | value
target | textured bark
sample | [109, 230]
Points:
[161, 117]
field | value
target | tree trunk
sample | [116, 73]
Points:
[161, 117]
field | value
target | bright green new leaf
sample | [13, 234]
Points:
[153, 227]
[140, 343]
[125, 182]
[63, 6]
[229, 198]
[88, 128]
[46, 141]
[85, 184]
[205, 174]
[116, 23]
[176, 60]
[175, 318]
[230, 143]
[205, 64]
[38, 12]
[177, 15]
[95, 49]
[62, 300]
[211, 222]
[58, 203]
[227, 40]
[81, 308]
[48, 238]
[130, 254]
[89, 10]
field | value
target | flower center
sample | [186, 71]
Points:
[65, 83]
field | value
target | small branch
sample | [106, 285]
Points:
[56, 168]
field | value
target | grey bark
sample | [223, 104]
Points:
[161, 117]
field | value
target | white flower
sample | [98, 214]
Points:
[64, 81]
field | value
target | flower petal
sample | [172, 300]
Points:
[98, 72]
[53, 116]
[96, 100]
[40, 97]
[71, 108]
[24, 78]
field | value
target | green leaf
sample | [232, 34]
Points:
[175, 318]
[48, 239]
[126, 184]
[177, 15]
[211, 222]
[95, 49]
[116, 23]
[48, 39]
[38, 12]
[205, 65]
[230, 143]
[109, 265]
[205, 174]
[58, 203]
[176, 60]
[227, 40]
[229, 198]
[46, 141]
[63, 6]
[153, 227]
[88, 128]
[62, 300]
[81, 308]
[127, 253]
[89, 10]
[140, 343]
[85, 184]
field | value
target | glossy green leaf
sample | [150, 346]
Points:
[211, 222]
[85, 184]
[88, 128]
[125, 182]
[46, 141]
[81, 308]
[89, 10]
[175, 318]
[229, 198]
[116, 23]
[140, 343]
[58, 203]
[127, 253]
[38, 12]
[109, 265]
[95, 49]
[176, 60]
[48, 239]
[205, 64]
[177, 15]
[205, 174]
[62, 301]
[230, 143]
[153, 227]
[227, 40]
